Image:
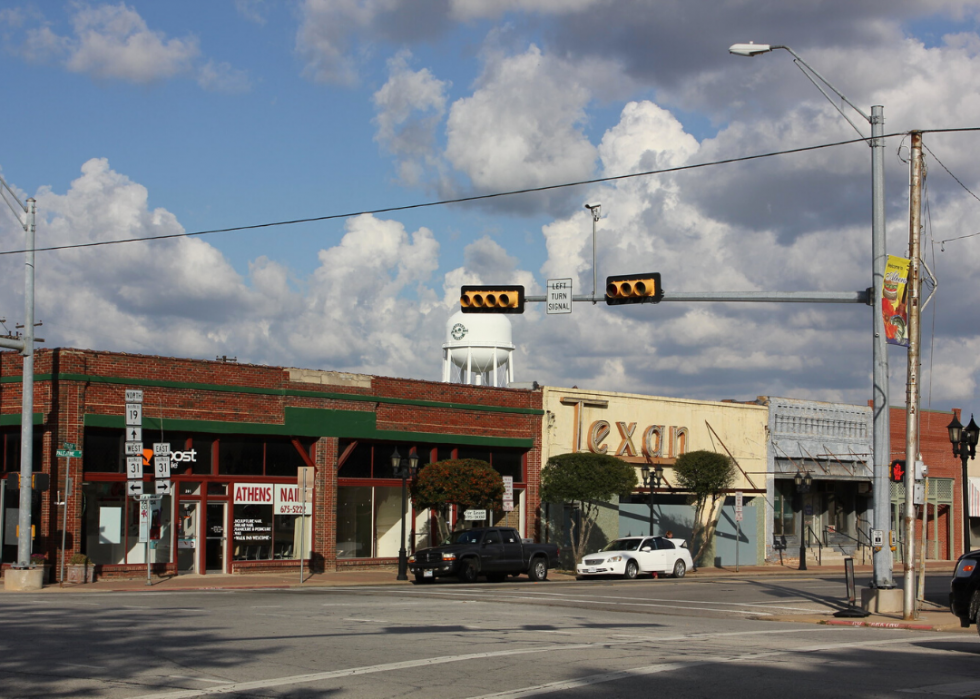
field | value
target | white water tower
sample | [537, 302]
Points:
[478, 350]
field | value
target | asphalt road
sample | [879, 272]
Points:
[671, 638]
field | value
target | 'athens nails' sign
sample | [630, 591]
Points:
[284, 498]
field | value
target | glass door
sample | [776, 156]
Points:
[187, 521]
[215, 539]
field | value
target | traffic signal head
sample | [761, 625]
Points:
[896, 471]
[492, 299]
[634, 288]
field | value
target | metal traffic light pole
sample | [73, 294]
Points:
[25, 346]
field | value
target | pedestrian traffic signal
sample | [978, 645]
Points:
[634, 288]
[492, 299]
[896, 472]
[39, 481]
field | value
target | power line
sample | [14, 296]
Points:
[446, 202]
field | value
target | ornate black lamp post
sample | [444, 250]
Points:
[652, 479]
[803, 483]
[964, 440]
[404, 469]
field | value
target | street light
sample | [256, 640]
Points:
[803, 483]
[881, 437]
[964, 440]
[404, 469]
[651, 480]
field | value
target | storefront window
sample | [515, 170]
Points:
[368, 521]
[240, 456]
[269, 523]
[784, 517]
[111, 526]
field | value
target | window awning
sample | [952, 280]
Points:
[974, 496]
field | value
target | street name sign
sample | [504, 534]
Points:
[68, 453]
[475, 515]
[559, 296]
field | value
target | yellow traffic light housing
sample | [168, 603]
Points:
[492, 299]
[634, 288]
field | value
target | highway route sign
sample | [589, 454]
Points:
[161, 449]
[134, 467]
[161, 466]
[134, 414]
[134, 396]
[134, 448]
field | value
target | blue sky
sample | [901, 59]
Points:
[141, 118]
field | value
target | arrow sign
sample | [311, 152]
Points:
[134, 434]
[134, 487]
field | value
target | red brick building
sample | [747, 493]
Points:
[944, 522]
[238, 435]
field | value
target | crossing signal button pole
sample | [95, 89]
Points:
[634, 288]
[492, 299]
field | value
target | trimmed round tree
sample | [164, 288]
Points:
[707, 475]
[466, 483]
[588, 479]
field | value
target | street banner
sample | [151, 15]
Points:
[893, 297]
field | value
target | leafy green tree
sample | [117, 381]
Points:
[589, 479]
[707, 475]
[466, 483]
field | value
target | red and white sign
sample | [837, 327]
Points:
[287, 501]
[253, 493]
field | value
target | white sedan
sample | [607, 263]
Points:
[634, 555]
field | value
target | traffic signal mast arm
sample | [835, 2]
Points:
[747, 296]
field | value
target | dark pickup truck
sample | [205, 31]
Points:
[494, 552]
[964, 590]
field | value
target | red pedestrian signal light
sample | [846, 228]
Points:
[496, 298]
[896, 472]
[634, 288]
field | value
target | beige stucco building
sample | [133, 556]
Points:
[655, 430]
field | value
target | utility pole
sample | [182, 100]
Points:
[912, 398]
[25, 345]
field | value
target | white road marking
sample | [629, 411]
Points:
[953, 689]
[441, 660]
[667, 667]
[197, 679]
[767, 605]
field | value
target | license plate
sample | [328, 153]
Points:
[590, 570]
[427, 574]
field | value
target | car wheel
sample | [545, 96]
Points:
[538, 570]
[679, 568]
[422, 580]
[632, 569]
[468, 572]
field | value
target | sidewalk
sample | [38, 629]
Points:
[933, 618]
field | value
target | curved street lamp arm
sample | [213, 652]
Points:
[825, 82]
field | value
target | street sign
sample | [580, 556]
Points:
[475, 515]
[134, 467]
[68, 453]
[163, 487]
[134, 434]
[161, 466]
[144, 520]
[134, 414]
[134, 487]
[559, 296]
[134, 396]
[161, 449]
[134, 449]
[307, 475]
[69, 445]
[508, 493]
[738, 505]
